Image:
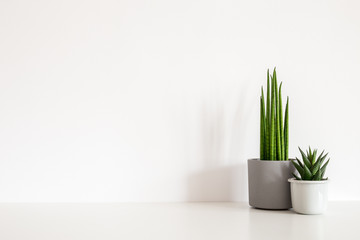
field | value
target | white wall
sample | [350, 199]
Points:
[159, 100]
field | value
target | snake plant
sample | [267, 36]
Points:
[311, 168]
[274, 131]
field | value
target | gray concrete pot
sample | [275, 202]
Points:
[268, 183]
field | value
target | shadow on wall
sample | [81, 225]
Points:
[219, 179]
[217, 184]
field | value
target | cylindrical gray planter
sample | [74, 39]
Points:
[268, 183]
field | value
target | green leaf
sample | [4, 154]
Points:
[317, 176]
[268, 120]
[313, 160]
[316, 166]
[323, 158]
[323, 168]
[268, 96]
[321, 155]
[298, 168]
[262, 128]
[305, 159]
[274, 132]
[300, 163]
[272, 128]
[278, 130]
[286, 130]
[295, 176]
[307, 173]
[282, 146]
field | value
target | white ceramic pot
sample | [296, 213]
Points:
[309, 197]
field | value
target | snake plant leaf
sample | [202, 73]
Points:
[305, 158]
[282, 146]
[268, 97]
[277, 116]
[273, 123]
[286, 130]
[262, 127]
[268, 120]
[261, 130]
[298, 168]
[274, 133]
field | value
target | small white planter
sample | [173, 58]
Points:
[309, 197]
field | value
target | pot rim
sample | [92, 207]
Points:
[258, 159]
[293, 180]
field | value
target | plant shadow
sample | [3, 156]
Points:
[221, 176]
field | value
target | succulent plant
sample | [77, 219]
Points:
[274, 132]
[311, 168]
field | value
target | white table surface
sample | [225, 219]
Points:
[171, 221]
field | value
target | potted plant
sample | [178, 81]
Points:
[309, 190]
[267, 176]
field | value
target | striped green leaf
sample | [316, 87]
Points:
[282, 146]
[273, 123]
[262, 127]
[286, 130]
